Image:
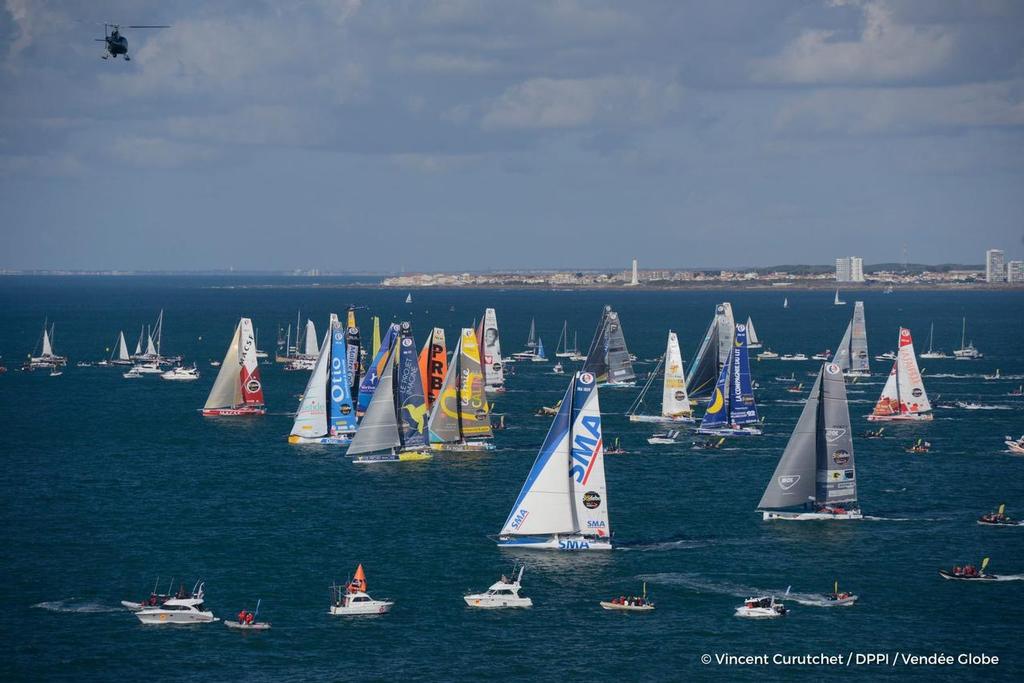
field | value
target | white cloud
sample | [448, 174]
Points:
[568, 103]
[917, 110]
[884, 52]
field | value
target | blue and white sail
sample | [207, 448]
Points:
[412, 404]
[342, 416]
[368, 385]
[563, 504]
[732, 407]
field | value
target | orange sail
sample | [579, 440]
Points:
[358, 582]
[433, 365]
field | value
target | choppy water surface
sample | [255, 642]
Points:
[108, 483]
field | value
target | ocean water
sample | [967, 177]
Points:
[109, 483]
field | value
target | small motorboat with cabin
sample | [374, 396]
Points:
[352, 599]
[761, 608]
[793, 356]
[999, 518]
[148, 368]
[968, 573]
[824, 355]
[768, 355]
[1015, 445]
[666, 438]
[181, 374]
[503, 593]
[132, 374]
[178, 611]
[888, 355]
[632, 603]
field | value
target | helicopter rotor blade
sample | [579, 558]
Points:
[150, 26]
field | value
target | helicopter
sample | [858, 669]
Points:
[117, 44]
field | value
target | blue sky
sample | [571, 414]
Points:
[458, 135]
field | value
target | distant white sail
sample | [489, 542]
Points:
[752, 341]
[122, 347]
[310, 346]
[47, 347]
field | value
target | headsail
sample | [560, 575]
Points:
[793, 483]
[543, 505]
[227, 390]
[309, 349]
[311, 418]
[369, 382]
[122, 347]
[752, 340]
[378, 430]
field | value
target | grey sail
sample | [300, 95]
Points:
[443, 423]
[620, 367]
[793, 482]
[378, 430]
[859, 358]
[597, 361]
[842, 357]
[837, 477]
[714, 352]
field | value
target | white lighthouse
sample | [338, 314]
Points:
[635, 280]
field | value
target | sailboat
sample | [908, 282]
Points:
[368, 385]
[46, 358]
[408, 298]
[326, 414]
[816, 477]
[713, 354]
[540, 356]
[931, 353]
[119, 355]
[608, 358]
[785, 302]
[531, 344]
[675, 404]
[493, 365]
[237, 389]
[433, 365]
[563, 504]
[732, 410]
[393, 428]
[460, 418]
[903, 397]
[562, 349]
[966, 351]
[353, 352]
[852, 354]
[752, 340]
[838, 301]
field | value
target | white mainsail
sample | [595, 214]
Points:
[47, 346]
[752, 341]
[122, 347]
[150, 347]
[674, 400]
[494, 369]
[311, 418]
[227, 389]
[310, 343]
[904, 396]
[590, 494]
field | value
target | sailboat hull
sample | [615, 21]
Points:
[555, 542]
[804, 516]
[912, 417]
[408, 456]
[618, 385]
[234, 412]
[339, 440]
[661, 419]
[467, 447]
[730, 431]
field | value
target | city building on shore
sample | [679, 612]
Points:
[995, 268]
[850, 269]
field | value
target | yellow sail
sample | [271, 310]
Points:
[984, 563]
[1002, 508]
[352, 318]
[376, 336]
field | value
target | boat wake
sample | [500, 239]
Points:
[74, 605]
[649, 546]
[1009, 577]
[697, 583]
